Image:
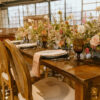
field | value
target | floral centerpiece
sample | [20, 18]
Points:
[33, 31]
[60, 33]
[22, 32]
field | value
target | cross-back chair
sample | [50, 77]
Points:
[6, 76]
[21, 73]
[45, 89]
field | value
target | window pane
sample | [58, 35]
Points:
[31, 9]
[41, 8]
[89, 7]
[74, 8]
[21, 15]
[14, 17]
[55, 7]
[25, 10]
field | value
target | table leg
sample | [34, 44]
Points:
[82, 91]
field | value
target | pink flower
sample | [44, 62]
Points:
[94, 41]
[61, 31]
[49, 26]
[87, 50]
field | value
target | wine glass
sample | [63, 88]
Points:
[44, 41]
[78, 47]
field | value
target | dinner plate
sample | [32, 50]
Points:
[53, 54]
[17, 41]
[55, 57]
[26, 45]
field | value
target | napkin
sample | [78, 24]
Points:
[26, 45]
[36, 59]
[16, 41]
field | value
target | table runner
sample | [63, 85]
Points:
[47, 53]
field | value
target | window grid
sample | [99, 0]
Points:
[14, 16]
[89, 9]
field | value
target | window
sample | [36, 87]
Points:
[55, 7]
[74, 7]
[89, 8]
[14, 16]
[4, 19]
[17, 13]
[71, 7]
[42, 8]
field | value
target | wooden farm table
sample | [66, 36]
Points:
[86, 74]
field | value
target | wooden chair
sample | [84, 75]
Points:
[46, 89]
[6, 76]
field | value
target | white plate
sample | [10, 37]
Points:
[16, 41]
[26, 45]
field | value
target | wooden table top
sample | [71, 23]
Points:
[82, 71]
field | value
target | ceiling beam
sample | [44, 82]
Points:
[21, 2]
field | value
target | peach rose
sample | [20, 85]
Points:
[95, 41]
[44, 32]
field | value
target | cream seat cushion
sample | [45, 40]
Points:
[51, 89]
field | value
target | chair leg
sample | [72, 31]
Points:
[11, 95]
[3, 88]
[46, 72]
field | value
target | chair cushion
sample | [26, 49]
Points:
[20, 97]
[5, 76]
[52, 89]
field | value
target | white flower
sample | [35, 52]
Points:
[81, 29]
[95, 40]
[46, 17]
[29, 20]
[30, 27]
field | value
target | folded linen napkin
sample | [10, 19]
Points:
[47, 53]
[26, 45]
[16, 41]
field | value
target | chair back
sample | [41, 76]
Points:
[5, 62]
[3, 58]
[20, 71]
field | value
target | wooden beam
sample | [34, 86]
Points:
[21, 2]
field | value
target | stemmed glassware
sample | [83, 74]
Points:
[78, 47]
